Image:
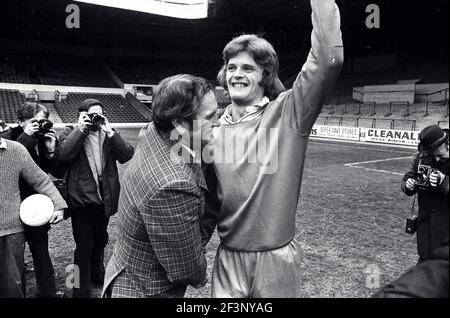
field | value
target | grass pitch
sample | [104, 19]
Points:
[350, 223]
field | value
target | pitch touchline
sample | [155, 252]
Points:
[377, 170]
[374, 161]
[355, 165]
[338, 143]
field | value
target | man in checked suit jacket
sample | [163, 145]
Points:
[158, 250]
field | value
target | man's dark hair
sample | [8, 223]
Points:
[264, 55]
[88, 103]
[446, 131]
[178, 97]
[30, 109]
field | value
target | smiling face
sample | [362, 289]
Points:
[243, 77]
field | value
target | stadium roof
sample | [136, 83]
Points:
[184, 9]
[286, 23]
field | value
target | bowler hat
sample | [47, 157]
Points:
[431, 138]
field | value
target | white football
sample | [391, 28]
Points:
[36, 210]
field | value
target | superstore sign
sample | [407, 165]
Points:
[336, 132]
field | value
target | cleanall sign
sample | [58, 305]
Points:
[390, 136]
[336, 132]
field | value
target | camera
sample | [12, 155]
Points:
[96, 119]
[45, 126]
[424, 170]
[411, 224]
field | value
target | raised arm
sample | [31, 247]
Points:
[321, 69]
[172, 221]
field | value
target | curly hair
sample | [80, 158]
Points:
[29, 109]
[264, 55]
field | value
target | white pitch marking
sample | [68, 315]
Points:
[378, 160]
[355, 165]
[377, 170]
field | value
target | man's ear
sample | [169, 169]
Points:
[180, 126]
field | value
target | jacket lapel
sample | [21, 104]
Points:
[199, 176]
[195, 167]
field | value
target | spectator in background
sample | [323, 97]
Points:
[15, 163]
[432, 190]
[91, 149]
[41, 144]
[158, 251]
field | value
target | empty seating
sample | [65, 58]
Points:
[53, 69]
[10, 101]
[116, 108]
[153, 70]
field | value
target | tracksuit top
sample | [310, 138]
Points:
[258, 162]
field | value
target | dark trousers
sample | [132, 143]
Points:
[89, 226]
[37, 238]
[12, 248]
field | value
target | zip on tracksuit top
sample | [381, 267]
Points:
[254, 182]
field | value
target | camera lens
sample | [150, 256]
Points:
[97, 119]
[44, 126]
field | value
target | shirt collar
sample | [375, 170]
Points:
[250, 111]
[191, 152]
[2, 143]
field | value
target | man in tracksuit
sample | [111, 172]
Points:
[259, 151]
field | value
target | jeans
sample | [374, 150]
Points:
[89, 226]
[12, 248]
[37, 238]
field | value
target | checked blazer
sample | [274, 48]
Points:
[158, 243]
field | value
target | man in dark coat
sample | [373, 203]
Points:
[432, 224]
[90, 150]
[429, 279]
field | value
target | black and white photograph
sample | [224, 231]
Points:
[241, 150]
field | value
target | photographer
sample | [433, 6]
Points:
[35, 133]
[428, 177]
[91, 149]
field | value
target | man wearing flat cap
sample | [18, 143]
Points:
[428, 177]
[91, 150]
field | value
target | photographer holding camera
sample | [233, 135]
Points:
[91, 149]
[428, 177]
[34, 131]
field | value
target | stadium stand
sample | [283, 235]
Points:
[53, 69]
[116, 108]
[152, 71]
[10, 101]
